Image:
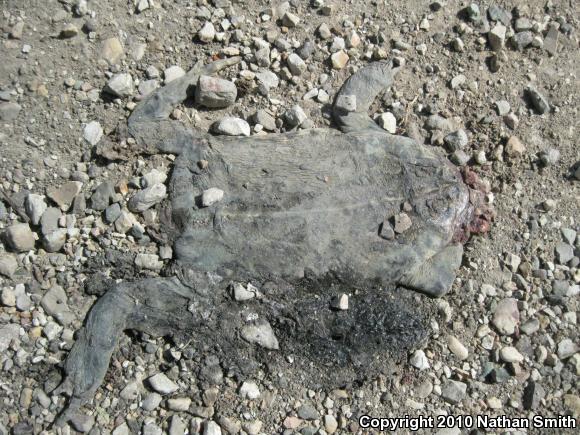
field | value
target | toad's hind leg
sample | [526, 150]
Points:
[157, 306]
[436, 275]
[358, 93]
[149, 124]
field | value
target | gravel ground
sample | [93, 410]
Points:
[493, 85]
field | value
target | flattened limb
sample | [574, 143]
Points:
[149, 124]
[358, 93]
[157, 306]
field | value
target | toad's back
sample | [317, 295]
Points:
[313, 200]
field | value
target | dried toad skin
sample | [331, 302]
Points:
[309, 202]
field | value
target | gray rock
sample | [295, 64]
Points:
[35, 207]
[155, 176]
[8, 333]
[457, 140]
[510, 354]
[122, 429]
[249, 390]
[148, 86]
[82, 423]
[496, 13]
[260, 333]
[214, 92]
[8, 265]
[207, 32]
[567, 348]
[55, 304]
[308, 412]
[506, 316]
[23, 300]
[460, 158]
[522, 24]
[54, 241]
[457, 347]
[9, 111]
[120, 85]
[20, 238]
[177, 426]
[296, 65]
[49, 220]
[231, 126]
[388, 122]
[539, 102]
[151, 401]
[162, 384]
[551, 40]
[564, 252]
[93, 132]
[64, 195]
[503, 107]
[522, 40]
[454, 392]
[290, 20]
[172, 73]
[147, 198]
[419, 360]
[496, 37]
[569, 235]
[148, 261]
[179, 404]
[533, 395]
[266, 120]
[103, 194]
[295, 116]
[241, 293]
[550, 157]
[150, 428]
[8, 297]
[267, 80]
[112, 213]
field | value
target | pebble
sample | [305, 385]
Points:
[231, 126]
[290, 20]
[514, 148]
[20, 238]
[457, 140]
[249, 390]
[522, 40]
[308, 412]
[69, 31]
[241, 293]
[506, 316]
[419, 360]
[339, 59]
[496, 13]
[112, 50]
[388, 122]
[267, 80]
[261, 334]
[102, 196]
[295, 116]
[266, 120]
[147, 198]
[207, 32]
[211, 196]
[35, 206]
[9, 111]
[510, 354]
[125, 222]
[340, 302]
[503, 107]
[162, 384]
[511, 120]
[120, 85]
[93, 132]
[564, 252]
[8, 334]
[55, 304]
[215, 93]
[324, 31]
[496, 37]
[155, 176]
[296, 65]
[402, 222]
[177, 426]
[179, 404]
[8, 264]
[533, 395]
[458, 81]
[539, 102]
[551, 41]
[82, 423]
[64, 195]
[211, 428]
[8, 297]
[454, 392]
[567, 348]
[173, 73]
[458, 349]
[148, 261]
[151, 401]
[55, 240]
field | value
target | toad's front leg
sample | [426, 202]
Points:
[157, 306]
